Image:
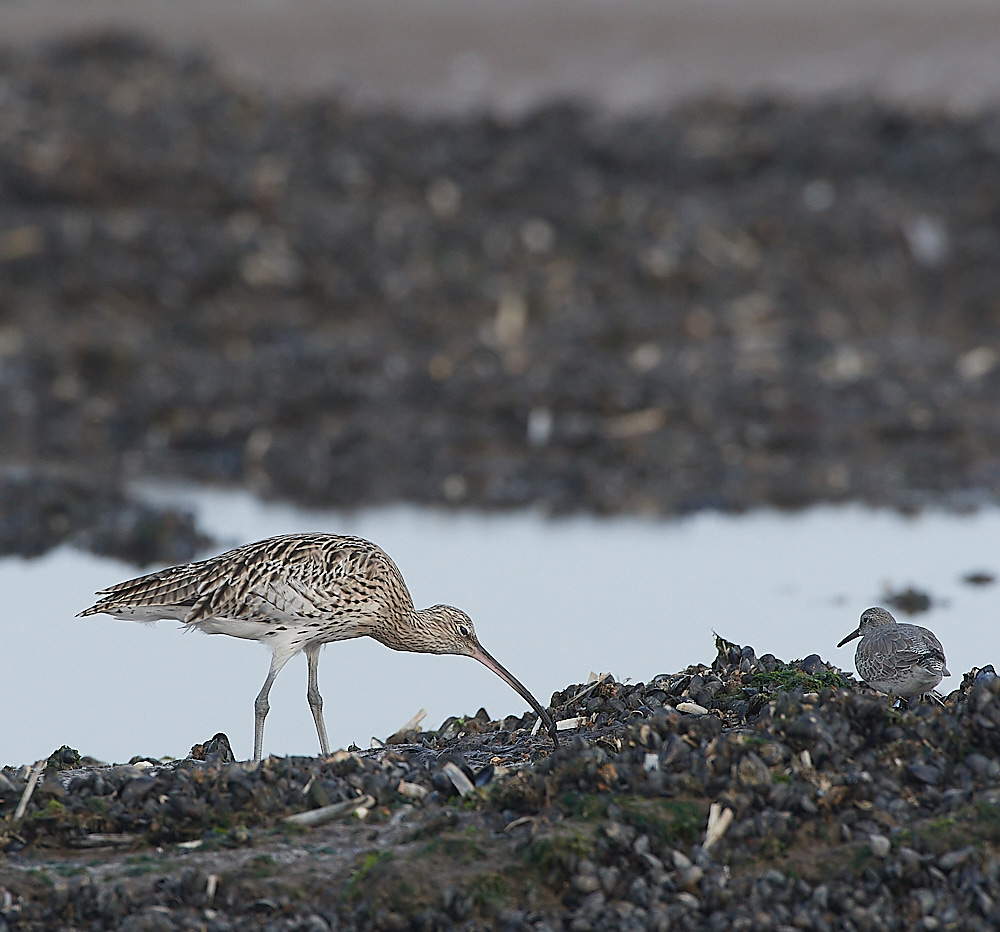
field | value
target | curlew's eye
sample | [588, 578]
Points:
[463, 630]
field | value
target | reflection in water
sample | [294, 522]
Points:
[551, 599]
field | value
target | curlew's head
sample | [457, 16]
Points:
[444, 629]
[871, 618]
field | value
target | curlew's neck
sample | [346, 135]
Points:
[415, 630]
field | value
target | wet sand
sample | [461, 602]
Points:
[449, 56]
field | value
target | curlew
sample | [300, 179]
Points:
[298, 592]
[898, 659]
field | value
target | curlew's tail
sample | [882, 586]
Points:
[172, 592]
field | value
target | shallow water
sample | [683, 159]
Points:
[552, 599]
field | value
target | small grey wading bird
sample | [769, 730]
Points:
[898, 659]
[296, 593]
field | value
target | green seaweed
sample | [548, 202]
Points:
[669, 821]
[366, 869]
[973, 825]
[555, 855]
[589, 806]
[790, 679]
[262, 865]
[488, 891]
[53, 809]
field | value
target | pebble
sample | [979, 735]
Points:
[925, 773]
[880, 845]
[986, 674]
[952, 859]
[586, 883]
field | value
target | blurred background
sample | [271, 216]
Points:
[586, 257]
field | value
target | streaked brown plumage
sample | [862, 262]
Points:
[298, 592]
[898, 659]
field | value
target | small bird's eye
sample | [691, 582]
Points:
[463, 630]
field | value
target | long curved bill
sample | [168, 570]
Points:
[850, 637]
[487, 660]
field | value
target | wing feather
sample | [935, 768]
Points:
[891, 649]
[303, 576]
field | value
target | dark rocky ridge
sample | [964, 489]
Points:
[42, 508]
[847, 814]
[730, 305]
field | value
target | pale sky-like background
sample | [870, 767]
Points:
[453, 56]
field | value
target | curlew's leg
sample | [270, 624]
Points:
[261, 705]
[315, 699]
